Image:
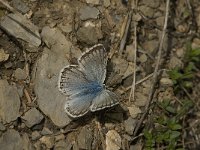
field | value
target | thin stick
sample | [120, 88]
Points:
[123, 41]
[27, 96]
[155, 74]
[132, 93]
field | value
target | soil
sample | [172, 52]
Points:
[39, 38]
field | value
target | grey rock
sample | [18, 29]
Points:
[106, 3]
[88, 12]
[59, 137]
[67, 28]
[138, 146]
[63, 145]
[9, 102]
[32, 117]
[150, 46]
[45, 77]
[85, 138]
[48, 141]
[89, 35]
[20, 5]
[113, 140]
[140, 99]
[35, 135]
[11, 140]
[3, 55]
[175, 62]
[129, 125]
[26, 142]
[46, 131]
[143, 58]
[8, 65]
[93, 1]
[134, 111]
[166, 82]
[152, 3]
[21, 28]
[147, 11]
[20, 90]
[2, 127]
[20, 74]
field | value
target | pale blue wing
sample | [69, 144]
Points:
[103, 100]
[78, 106]
[79, 103]
[93, 63]
[71, 80]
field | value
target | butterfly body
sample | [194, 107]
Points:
[84, 84]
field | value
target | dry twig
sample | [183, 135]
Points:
[155, 74]
[132, 93]
[123, 41]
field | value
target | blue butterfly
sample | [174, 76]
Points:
[84, 84]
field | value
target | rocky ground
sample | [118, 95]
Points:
[38, 38]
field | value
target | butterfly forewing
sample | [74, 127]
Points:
[93, 63]
[71, 80]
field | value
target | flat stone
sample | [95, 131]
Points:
[166, 82]
[21, 28]
[113, 140]
[152, 3]
[63, 145]
[88, 12]
[45, 77]
[175, 62]
[85, 138]
[129, 125]
[134, 111]
[129, 71]
[130, 52]
[20, 74]
[20, 5]
[48, 141]
[2, 127]
[106, 3]
[147, 11]
[140, 99]
[150, 46]
[89, 35]
[46, 131]
[92, 1]
[120, 65]
[11, 140]
[32, 117]
[143, 58]
[59, 137]
[35, 135]
[3, 55]
[9, 102]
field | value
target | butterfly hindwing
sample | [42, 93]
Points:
[105, 99]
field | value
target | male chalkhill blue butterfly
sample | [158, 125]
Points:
[84, 84]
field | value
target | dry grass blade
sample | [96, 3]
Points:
[155, 74]
[132, 93]
[123, 41]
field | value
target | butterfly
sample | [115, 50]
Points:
[83, 84]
